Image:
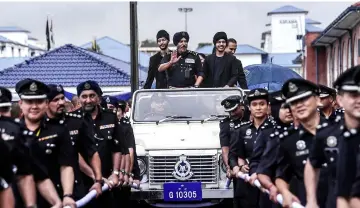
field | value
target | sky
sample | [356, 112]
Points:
[79, 22]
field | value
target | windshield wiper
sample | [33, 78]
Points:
[168, 118]
[213, 117]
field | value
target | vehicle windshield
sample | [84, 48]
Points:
[188, 104]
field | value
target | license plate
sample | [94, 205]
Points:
[187, 191]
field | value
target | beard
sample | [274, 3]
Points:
[89, 108]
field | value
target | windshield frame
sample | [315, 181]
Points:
[133, 107]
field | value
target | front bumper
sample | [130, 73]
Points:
[158, 194]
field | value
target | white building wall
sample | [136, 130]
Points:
[20, 37]
[284, 30]
[249, 59]
[267, 43]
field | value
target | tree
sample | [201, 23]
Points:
[148, 42]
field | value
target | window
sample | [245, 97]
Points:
[19, 52]
[12, 51]
[330, 68]
[299, 37]
[339, 68]
[349, 52]
[344, 61]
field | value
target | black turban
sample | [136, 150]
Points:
[162, 34]
[180, 35]
[219, 36]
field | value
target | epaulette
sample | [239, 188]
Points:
[244, 123]
[125, 120]
[287, 132]
[224, 119]
[73, 115]
[52, 121]
[193, 53]
[108, 110]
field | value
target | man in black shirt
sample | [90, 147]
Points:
[231, 48]
[182, 66]
[220, 69]
[163, 39]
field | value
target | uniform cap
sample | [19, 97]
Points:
[297, 89]
[29, 89]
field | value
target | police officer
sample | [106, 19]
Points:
[235, 107]
[347, 137]
[267, 166]
[325, 149]
[327, 98]
[281, 119]
[242, 148]
[82, 138]
[110, 103]
[110, 141]
[7, 199]
[52, 145]
[163, 39]
[182, 66]
[295, 143]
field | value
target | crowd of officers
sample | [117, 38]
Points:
[51, 158]
[301, 142]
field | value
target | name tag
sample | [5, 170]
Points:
[74, 132]
[107, 126]
[190, 61]
[48, 137]
[303, 152]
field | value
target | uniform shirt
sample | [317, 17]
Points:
[325, 149]
[260, 146]
[6, 170]
[295, 146]
[130, 140]
[227, 127]
[109, 138]
[244, 142]
[52, 148]
[347, 171]
[334, 115]
[268, 162]
[182, 73]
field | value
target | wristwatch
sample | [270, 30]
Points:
[116, 172]
[123, 171]
[68, 195]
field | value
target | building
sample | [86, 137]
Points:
[246, 53]
[69, 65]
[283, 39]
[16, 42]
[334, 50]
[151, 47]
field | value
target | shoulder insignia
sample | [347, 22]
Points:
[319, 127]
[61, 122]
[193, 53]
[325, 124]
[338, 118]
[272, 135]
[17, 120]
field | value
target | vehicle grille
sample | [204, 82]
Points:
[204, 168]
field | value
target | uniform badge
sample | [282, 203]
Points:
[292, 87]
[248, 132]
[257, 93]
[58, 88]
[227, 104]
[232, 125]
[331, 141]
[33, 87]
[300, 145]
[87, 86]
[108, 99]
[190, 61]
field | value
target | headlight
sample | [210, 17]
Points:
[222, 164]
[142, 166]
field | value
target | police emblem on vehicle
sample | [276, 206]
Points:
[182, 169]
[300, 145]
[331, 141]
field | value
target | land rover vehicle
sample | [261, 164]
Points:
[177, 143]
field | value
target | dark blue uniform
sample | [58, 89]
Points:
[182, 73]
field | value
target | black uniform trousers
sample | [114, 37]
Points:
[245, 195]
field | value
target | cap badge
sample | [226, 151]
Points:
[257, 93]
[300, 145]
[108, 99]
[227, 104]
[292, 87]
[33, 87]
[58, 88]
[87, 86]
